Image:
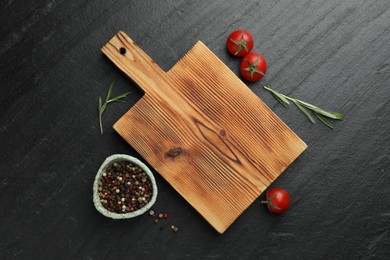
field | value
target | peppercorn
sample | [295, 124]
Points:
[174, 228]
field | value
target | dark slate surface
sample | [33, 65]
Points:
[334, 54]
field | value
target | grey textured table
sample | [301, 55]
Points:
[334, 54]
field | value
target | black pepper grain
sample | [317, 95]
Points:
[119, 188]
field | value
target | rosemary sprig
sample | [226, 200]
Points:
[321, 114]
[102, 106]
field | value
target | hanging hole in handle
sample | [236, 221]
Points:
[122, 51]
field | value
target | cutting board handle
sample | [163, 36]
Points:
[134, 62]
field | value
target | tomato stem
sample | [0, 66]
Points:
[252, 68]
[241, 44]
[269, 202]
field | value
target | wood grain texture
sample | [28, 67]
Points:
[203, 130]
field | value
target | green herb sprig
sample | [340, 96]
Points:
[321, 114]
[109, 99]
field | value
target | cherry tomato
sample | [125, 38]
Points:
[253, 66]
[239, 43]
[277, 200]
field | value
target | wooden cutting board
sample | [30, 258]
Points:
[203, 130]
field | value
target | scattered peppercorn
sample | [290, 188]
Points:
[174, 228]
[159, 217]
[119, 193]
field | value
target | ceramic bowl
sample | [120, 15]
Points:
[96, 200]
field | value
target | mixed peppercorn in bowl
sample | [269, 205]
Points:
[124, 187]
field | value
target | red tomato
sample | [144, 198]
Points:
[277, 200]
[239, 43]
[253, 66]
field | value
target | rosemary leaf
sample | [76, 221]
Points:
[305, 112]
[279, 97]
[317, 110]
[324, 120]
[100, 104]
[109, 93]
[118, 98]
[281, 101]
[100, 114]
